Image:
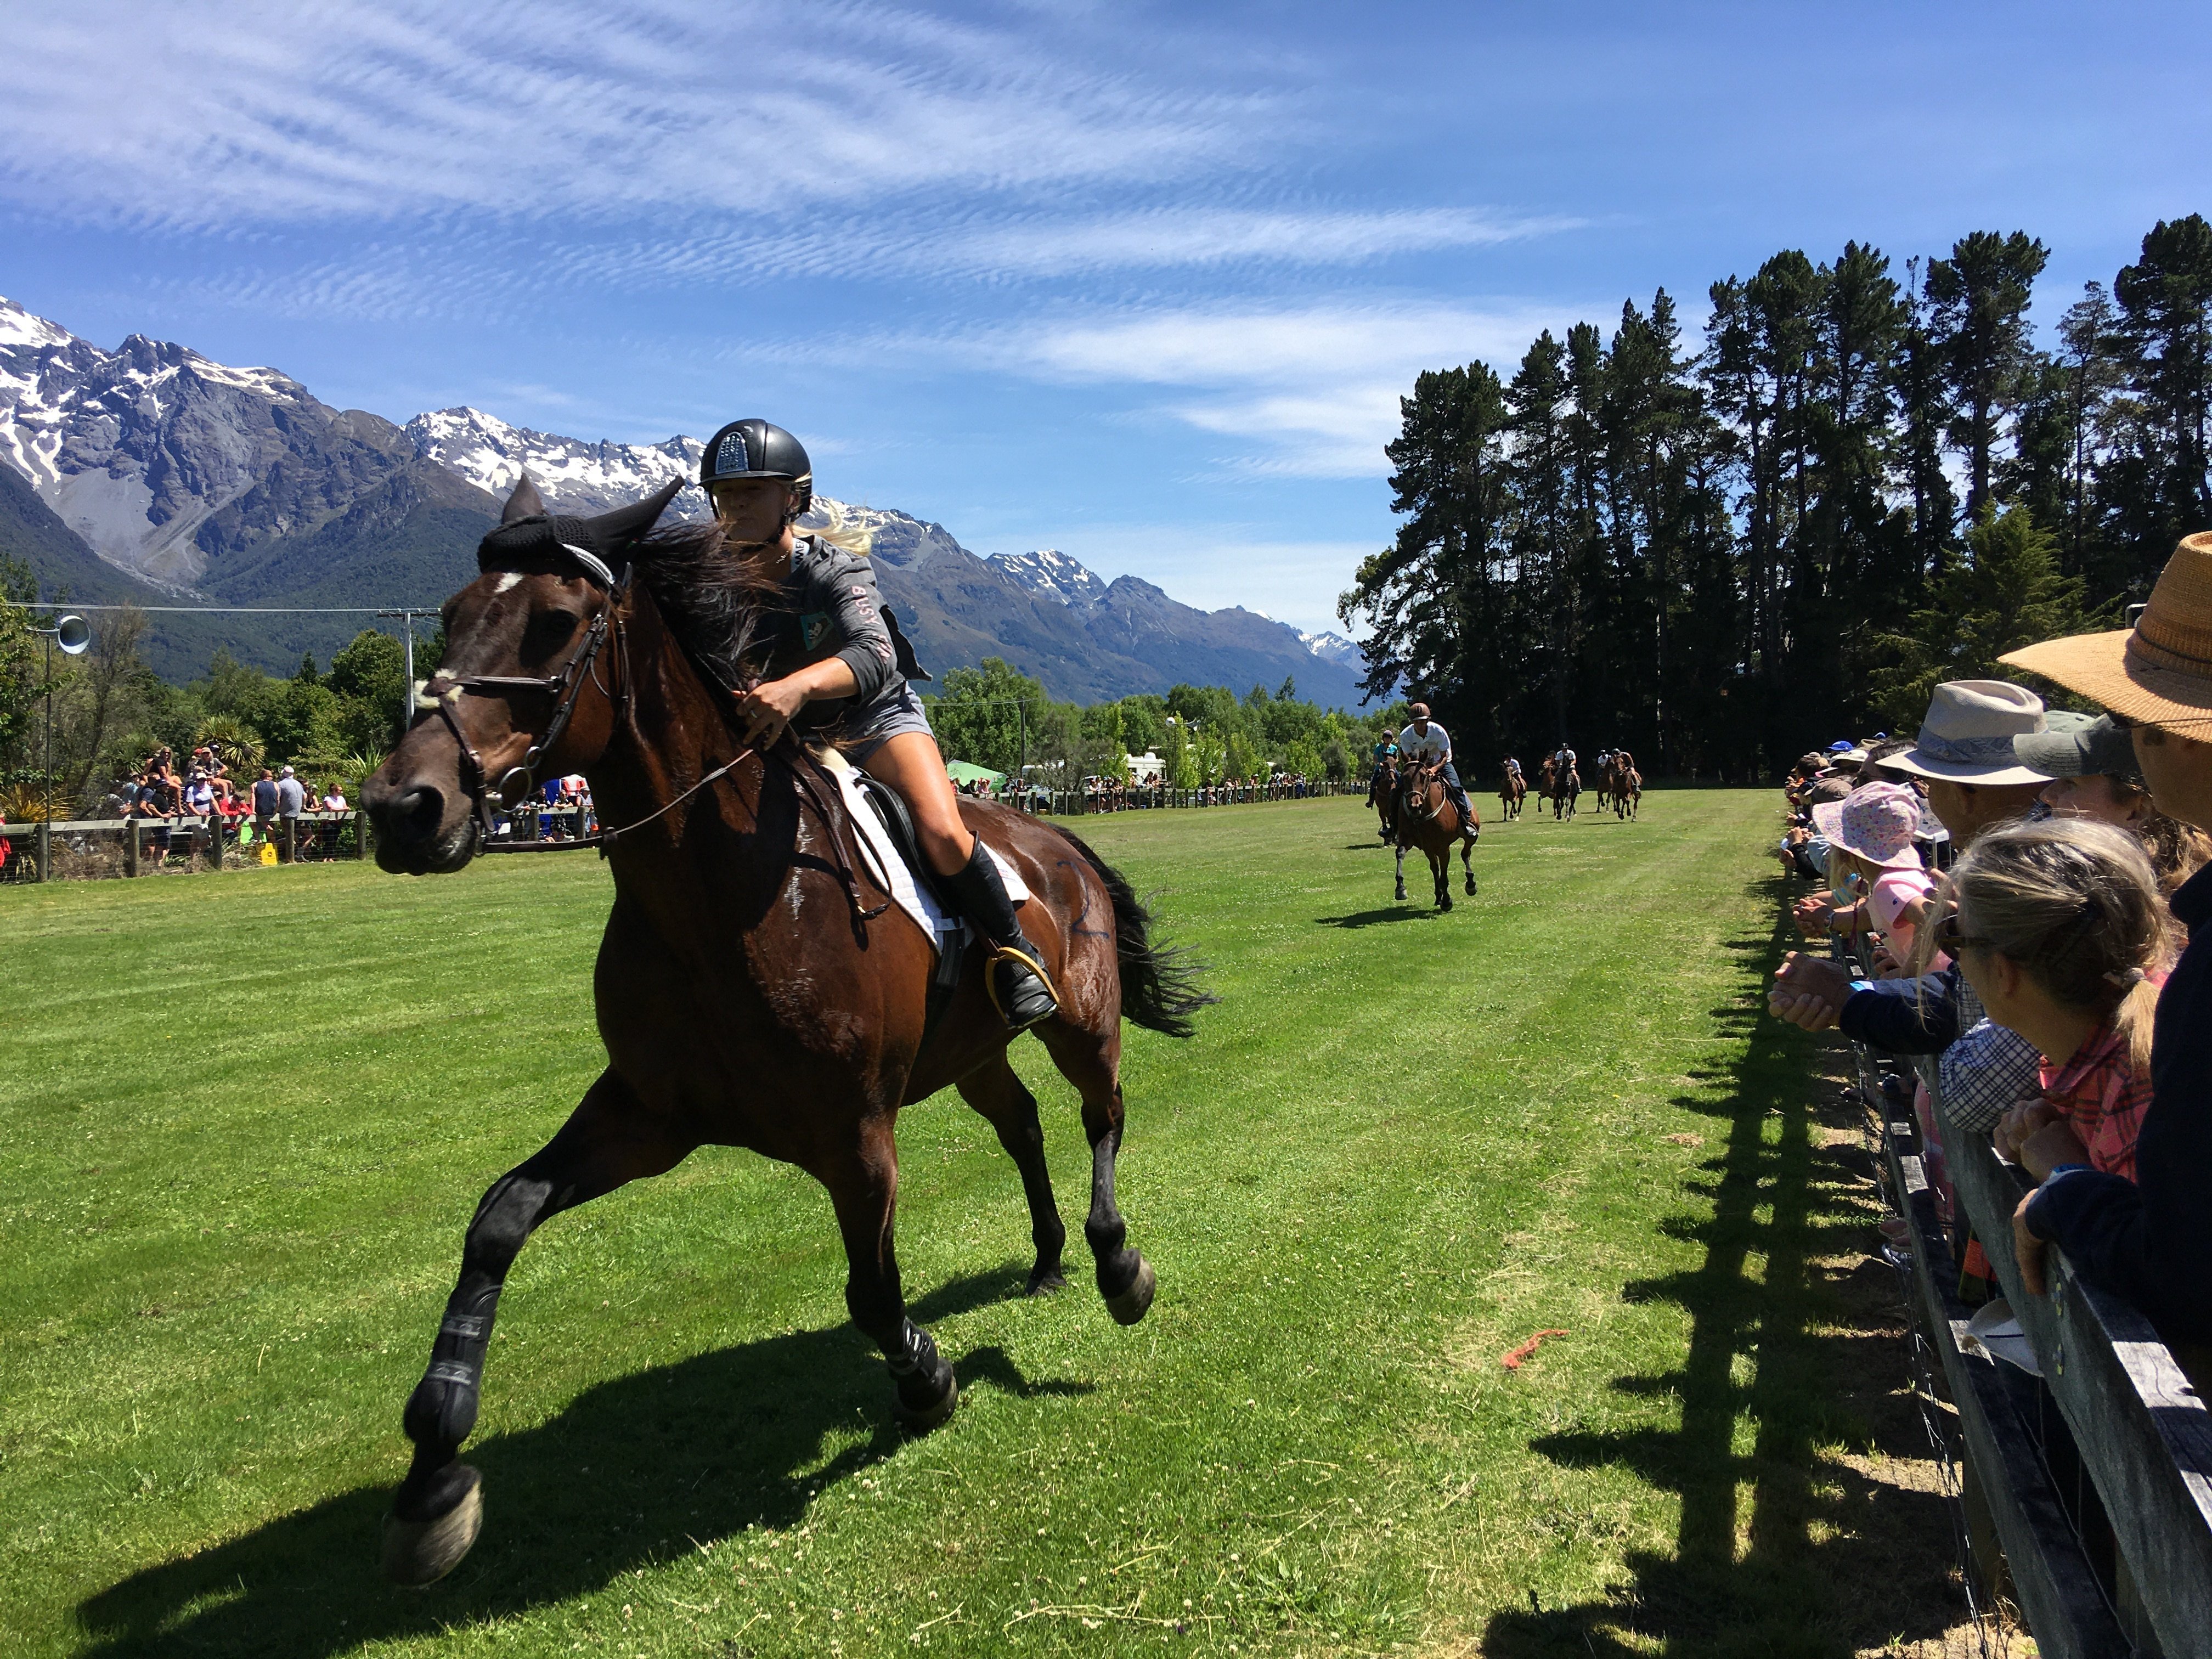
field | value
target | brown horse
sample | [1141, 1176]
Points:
[1512, 790]
[1627, 785]
[1601, 784]
[1428, 820]
[752, 989]
[1382, 794]
[1565, 788]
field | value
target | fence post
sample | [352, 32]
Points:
[131, 845]
[46, 850]
[291, 834]
[360, 833]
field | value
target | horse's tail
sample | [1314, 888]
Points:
[1159, 984]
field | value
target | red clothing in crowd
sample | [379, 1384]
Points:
[2102, 1098]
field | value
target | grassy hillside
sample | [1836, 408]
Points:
[249, 1114]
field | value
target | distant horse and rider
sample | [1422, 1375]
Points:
[1563, 784]
[1626, 789]
[1432, 813]
[1512, 790]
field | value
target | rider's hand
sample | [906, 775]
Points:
[767, 711]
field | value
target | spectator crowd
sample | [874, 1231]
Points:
[2023, 885]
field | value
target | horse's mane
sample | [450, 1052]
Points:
[710, 594]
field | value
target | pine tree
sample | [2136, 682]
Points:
[1978, 300]
[2166, 310]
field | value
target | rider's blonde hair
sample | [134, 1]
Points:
[836, 527]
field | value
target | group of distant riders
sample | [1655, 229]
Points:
[1618, 783]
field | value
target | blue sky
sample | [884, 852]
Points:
[1138, 282]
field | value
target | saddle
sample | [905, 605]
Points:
[952, 947]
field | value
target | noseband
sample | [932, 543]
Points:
[518, 783]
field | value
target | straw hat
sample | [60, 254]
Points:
[2158, 672]
[1967, 735]
[1878, 823]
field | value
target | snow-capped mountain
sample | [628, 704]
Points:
[1053, 574]
[1334, 648]
[576, 478]
[156, 469]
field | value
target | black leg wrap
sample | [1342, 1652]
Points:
[442, 1411]
[926, 1391]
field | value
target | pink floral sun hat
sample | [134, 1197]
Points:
[1877, 822]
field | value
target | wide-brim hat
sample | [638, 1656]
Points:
[1967, 735]
[2158, 672]
[1849, 824]
[2078, 746]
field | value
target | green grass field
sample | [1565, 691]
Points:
[246, 1117]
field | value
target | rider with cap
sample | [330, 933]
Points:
[836, 672]
[1423, 741]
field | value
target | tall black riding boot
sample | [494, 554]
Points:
[1016, 976]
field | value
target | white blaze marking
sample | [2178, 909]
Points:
[507, 582]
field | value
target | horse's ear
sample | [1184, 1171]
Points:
[616, 530]
[525, 503]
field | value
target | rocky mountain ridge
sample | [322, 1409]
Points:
[157, 473]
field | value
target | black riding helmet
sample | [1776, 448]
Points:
[758, 449]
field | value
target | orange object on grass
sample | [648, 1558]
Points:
[1512, 1361]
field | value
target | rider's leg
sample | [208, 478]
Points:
[1458, 794]
[911, 764]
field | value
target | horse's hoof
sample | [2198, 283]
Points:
[921, 1419]
[1043, 1282]
[1129, 1305]
[1401, 896]
[417, 1552]
[1444, 903]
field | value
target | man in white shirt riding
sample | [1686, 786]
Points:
[1425, 741]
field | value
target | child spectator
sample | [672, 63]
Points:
[1870, 835]
[2058, 929]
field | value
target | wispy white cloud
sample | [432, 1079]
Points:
[992, 244]
[1306, 390]
[207, 114]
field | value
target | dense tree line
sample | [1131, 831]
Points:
[1718, 553]
[996, 717]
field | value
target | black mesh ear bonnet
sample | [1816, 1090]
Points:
[600, 545]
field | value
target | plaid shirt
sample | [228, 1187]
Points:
[1988, 1070]
[2102, 1097]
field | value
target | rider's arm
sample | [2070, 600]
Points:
[867, 653]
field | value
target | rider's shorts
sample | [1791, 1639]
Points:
[866, 730]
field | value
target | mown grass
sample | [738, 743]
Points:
[246, 1117]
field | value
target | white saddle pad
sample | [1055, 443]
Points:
[890, 872]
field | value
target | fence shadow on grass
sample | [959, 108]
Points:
[628, 1472]
[1786, 1544]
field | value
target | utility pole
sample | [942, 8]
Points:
[73, 634]
[407, 623]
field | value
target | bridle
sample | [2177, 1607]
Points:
[518, 783]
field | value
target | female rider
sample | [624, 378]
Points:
[834, 674]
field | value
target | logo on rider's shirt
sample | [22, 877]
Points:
[814, 628]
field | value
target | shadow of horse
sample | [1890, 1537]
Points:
[631, 1469]
[1375, 917]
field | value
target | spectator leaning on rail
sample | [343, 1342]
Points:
[2094, 774]
[2060, 929]
[2150, 1240]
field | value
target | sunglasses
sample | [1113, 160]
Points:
[1952, 937]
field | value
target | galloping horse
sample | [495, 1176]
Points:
[1544, 777]
[749, 993]
[1563, 787]
[1601, 784]
[1627, 786]
[1512, 790]
[1428, 820]
[1382, 794]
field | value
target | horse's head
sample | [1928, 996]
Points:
[524, 691]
